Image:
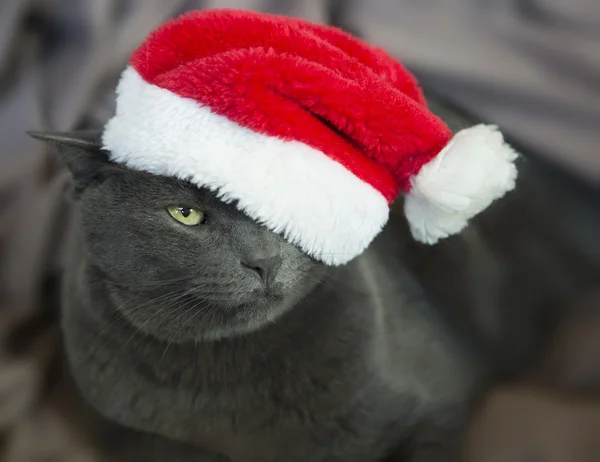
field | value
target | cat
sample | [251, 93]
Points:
[212, 338]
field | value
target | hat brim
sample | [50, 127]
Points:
[287, 186]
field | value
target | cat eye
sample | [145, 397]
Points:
[186, 215]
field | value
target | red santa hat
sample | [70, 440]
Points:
[308, 130]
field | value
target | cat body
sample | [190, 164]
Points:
[224, 342]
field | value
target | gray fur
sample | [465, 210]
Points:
[172, 336]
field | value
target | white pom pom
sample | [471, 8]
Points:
[474, 169]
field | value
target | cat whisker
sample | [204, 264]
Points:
[150, 341]
[177, 332]
[140, 329]
[159, 283]
[169, 297]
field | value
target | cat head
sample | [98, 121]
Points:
[179, 261]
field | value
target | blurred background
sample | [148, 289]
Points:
[521, 284]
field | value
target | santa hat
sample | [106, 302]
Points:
[308, 130]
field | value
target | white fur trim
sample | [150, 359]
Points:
[288, 186]
[474, 169]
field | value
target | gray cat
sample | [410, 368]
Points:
[202, 336]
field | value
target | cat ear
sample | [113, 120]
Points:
[81, 152]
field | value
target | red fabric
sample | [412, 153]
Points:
[299, 81]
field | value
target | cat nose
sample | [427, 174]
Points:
[266, 268]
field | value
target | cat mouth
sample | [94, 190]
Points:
[268, 295]
[273, 292]
[265, 297]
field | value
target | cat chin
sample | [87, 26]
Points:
[242, 320]
[221, 321]
[225, 332]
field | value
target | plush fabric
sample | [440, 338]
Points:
[289, 78]
[305, 128]
[288, 186]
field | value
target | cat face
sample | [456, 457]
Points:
[180, 262]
